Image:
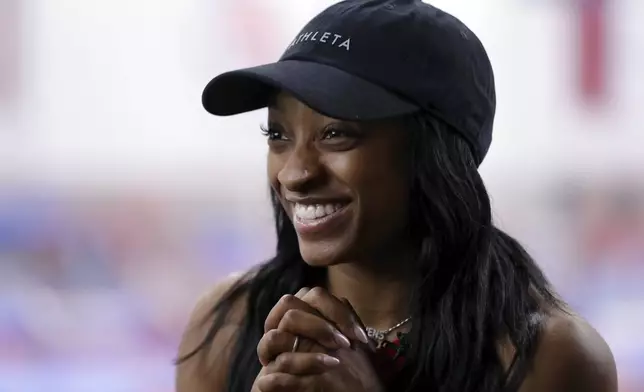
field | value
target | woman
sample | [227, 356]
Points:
[389, 275]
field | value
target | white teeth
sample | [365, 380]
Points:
[312, 212]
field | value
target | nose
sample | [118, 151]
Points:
[301, 169]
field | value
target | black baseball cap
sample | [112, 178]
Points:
[365, 60]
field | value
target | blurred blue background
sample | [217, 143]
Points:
[122, 200]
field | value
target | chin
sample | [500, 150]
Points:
[322, 254]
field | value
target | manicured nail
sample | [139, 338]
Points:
[302, 292]
[342, 340]
[329, 360]
[361, 335]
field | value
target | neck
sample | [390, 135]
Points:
[380, 296]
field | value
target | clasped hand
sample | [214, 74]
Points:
[332, 354]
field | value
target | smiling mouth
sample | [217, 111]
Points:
[312, 213]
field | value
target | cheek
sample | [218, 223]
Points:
[386, 199]
[380, 184]
[273, 167]
[384, 208]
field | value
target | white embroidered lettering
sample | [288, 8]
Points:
[322, 38]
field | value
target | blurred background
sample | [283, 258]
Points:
[122, 200]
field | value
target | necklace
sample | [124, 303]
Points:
[380, 335]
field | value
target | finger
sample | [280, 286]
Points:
[302, 292]
[337, 312]
[371, 345]
[286, 303]
[275, 342]
[302, 363]
[352, 310]
[314, 327]
[280, 382]
[272, 344]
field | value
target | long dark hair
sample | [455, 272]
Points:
[476, 285]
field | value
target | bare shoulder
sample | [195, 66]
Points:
[571, 356]
[207, 369]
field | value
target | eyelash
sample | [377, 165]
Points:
[274, 134]
[270, 133]
[335, 132]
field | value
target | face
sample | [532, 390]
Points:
[344, 185]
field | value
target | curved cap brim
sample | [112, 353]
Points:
[326, 89]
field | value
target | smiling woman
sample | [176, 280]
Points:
[338, 181]
[389, 274]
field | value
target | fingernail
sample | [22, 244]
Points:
[329, 360]
[361, 335]
[342, 340]
[302, 292]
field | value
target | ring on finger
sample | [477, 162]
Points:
[296, 344]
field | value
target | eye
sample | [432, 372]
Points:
[336, 133]
[340, 138]
[272, 133]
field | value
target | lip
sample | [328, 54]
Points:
[322, 226]
[316, 199]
